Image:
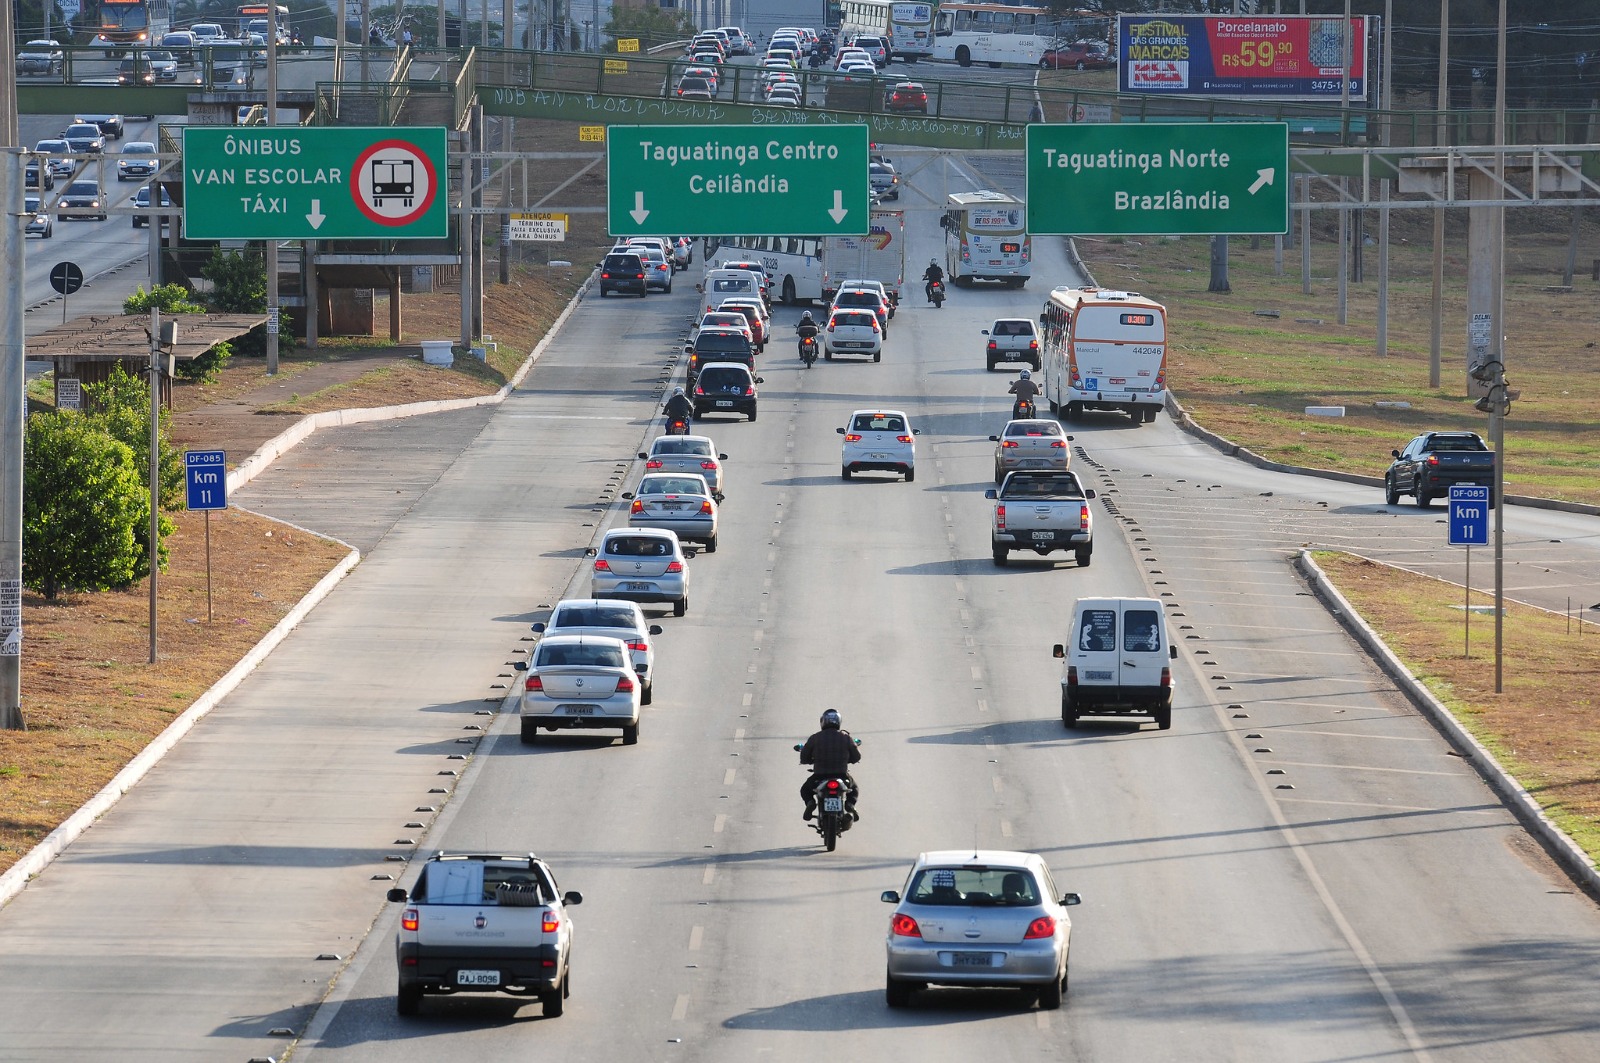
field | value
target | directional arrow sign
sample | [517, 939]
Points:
[333, 182]
[1190, 178]
[745, 180]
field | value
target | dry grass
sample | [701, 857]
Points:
[1543, 728]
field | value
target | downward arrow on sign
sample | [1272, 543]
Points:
[638, 213]
[1263, 177]
[316, 217]
[838, 212]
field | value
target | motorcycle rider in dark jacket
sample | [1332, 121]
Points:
[678, 407]
[1025, 390]
[934, 274]
[830, 752]
[806, 327]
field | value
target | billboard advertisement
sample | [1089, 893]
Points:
[1279, 57]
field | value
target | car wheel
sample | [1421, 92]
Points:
[844, 472]
[1069, 710]
[1082, 557]
[1163, 716]
[1049, 995]
[911, 475]
[752, 414]
[877, 356]
[408, 1001]
[530, 731]
[630, 737]
[1424, 499]
[1036, 365]
[1044, 64]
[999, 475]
[1070, 411]
[788, 291]
[554, 1004]
[1002, 556]
[648, 694]
[680, 606]
[711, 545]
[827, 355]
[991, 365]
[1391, 493]
[896, 994]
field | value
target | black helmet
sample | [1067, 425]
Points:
[830, 720]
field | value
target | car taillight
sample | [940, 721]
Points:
[639, 647]
[993, 345]
[902, 439]
[705, 507]
[550, 923]
[1058, 445]
[637, 507]
[534, 683]
[625, 685]
[1166, 677]
[1042, 927]
[853, 437]
[1000, 517]
[605, 276]
[674, 566]
[875, 327]
[638, 276]
[602, 565]
[1083, 518]
[653, 463]
[830, 326]
[410, 919]
[708, 465]
[1008, 444]
[903, 926]
[749, 391]
[1433, 459]
[1033, 345]
[698, 390]
[1072, 676]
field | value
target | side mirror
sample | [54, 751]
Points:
[984, 332]
[519, 666]
[1396, 453]
[627, 494]
[591, 552]
[574, 897]
[722, 457]
[655, 629]
[1089, 493]
[539, 627]
[691, 553]
[699, 287]
[397, 894]
[990, 493]
[1058, 651]
[1041, 319]
[995, 439]
[642, 454]
[839, 430]
[797, 749]
[889, 897]
[1069, 899]
[760, 381]
[916, 431]
[1071, 438]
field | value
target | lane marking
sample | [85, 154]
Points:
[727, 776]
[1346, 734]
[1005, 828]
[1368, 767]
[695, 937]
[997, 783]
[722, 821]
[738, 734]
[711, 873]
[1487, 810]
[977, 673]
[1042, 1019]
[681, 1008]
[983, 705]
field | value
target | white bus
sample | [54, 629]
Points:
[793, 262]
[908, 27]
[1104, 350]
[996, 34]
[986, 238]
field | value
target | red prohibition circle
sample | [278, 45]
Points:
[361, 200]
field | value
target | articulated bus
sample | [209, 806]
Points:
[908, 27]
[793, 262]
[126, 24]
[1104, 350]
[986, 238]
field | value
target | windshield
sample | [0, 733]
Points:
[683, 446]
[594, 616]
[571, 653]
[974, 887]
[672, 485]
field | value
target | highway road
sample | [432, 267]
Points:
[1299, 870]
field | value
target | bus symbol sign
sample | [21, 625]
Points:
[395, 182]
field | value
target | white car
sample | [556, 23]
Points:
[644, 565]
[852, 330]
[775, 68]
[729, 319]
[137, 161]
[979, 918]
[40, 223]
[864, 299]
[581, 681]
[40, 57]
[208, 33]
[881, 440]
[780, 77]
[784, 95]
[691, 454]
[680, 502]
[851, 55]
[877, 286]
[613, 618]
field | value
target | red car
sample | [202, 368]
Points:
[906, 96]
[1082, 55]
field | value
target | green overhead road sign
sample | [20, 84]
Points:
[1175, 178]
[314, 183]
[749, 180]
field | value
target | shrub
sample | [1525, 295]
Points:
[82, 505]
[176, 299]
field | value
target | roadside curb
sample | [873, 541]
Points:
[1521, 803]
[16, 878]
[288, 439]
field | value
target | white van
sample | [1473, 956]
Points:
[720, 284]
[1117, 663]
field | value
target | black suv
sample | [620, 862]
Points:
[719, 345]
[725, 388]
[623, 273]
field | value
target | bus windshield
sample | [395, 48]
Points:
[124, 15]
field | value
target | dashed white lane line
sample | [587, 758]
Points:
[695, 937]
[710, 873]
[998, 783]
[727, 776]
[721, 821]
[1005, 828]
[681, 1008]
[738, 733]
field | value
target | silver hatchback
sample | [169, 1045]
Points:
[680, 502]
[694, 455]
[978, 918]
[644, 565]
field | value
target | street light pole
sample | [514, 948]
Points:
[12, 411]
[1497, 416]
[272, 242]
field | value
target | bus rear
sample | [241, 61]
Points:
[1108, 351]
[988, 243]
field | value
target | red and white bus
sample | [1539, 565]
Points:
[1104, 350]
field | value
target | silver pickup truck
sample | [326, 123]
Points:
[477, 923]
[1042, 511]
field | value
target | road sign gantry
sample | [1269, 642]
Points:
[749, 180]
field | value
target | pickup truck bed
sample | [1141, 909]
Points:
[1042, 512]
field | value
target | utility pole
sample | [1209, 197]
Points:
[272, 242]
[155, 465]
[12, 411]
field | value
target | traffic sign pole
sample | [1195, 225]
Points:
[1469, 527]
[205, 475]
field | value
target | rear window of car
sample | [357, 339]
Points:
[1020, 327]
[732, 284]
[975, 887]
[1033, 428]
[879, 422]
[722, 342]
[672, 485]
[83, 188]
[683, 446]
[1044, 485]
[615, 263]
[861, 298]
[729, 318]
[1457, 443]
[638, 546]
[724, 378]
[572, 653]
[862, 318]
[593, 616]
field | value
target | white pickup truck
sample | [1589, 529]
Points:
[1042, 511]
[477, 923]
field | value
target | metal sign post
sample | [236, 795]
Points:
[206, 481]
[1469, 527]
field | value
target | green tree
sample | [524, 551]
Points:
[121, 410]
[175, 299]
[82, 505]
[651, 25]
[239, 286]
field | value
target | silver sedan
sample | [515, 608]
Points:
[641, 565]
[581, 681]
[691, 454]
[979, 918]
[678, 502]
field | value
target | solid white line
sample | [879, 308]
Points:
[1366, 767]
[1393, 808]
[1347, 734]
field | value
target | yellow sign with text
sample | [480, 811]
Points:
[628, 44]
[594, 133]
[616, 66]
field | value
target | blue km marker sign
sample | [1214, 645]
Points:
[1469, 515]
[206, 474]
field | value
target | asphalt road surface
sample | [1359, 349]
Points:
[1299, 870]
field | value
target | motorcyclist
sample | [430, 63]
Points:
[1025, 390]
[830, 752]
[806, 327]
[934, 274]
[678, 407]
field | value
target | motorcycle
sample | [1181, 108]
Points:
[808, 350]
[677, 426]
[1023, 410]
[936, 294]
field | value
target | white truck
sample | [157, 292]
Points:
[1042, 511]
[879, 256]
[479, 923]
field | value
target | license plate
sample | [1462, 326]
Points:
[971, 959]
[580, 710]
[636, 587]
[1097, 677]
[724, 402]
[1043, 537]
[833, 804]
[878, 457]
[477, 978]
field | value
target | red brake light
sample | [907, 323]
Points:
[534, 683]
[708, 465]
[705, 507]
[605, 276]
[749, 391]
[902, 439]
[637, 507]
[1000, 516]
[653, 463]
[833, 786]
[1166, 677]
[638, 647]
[830, 326]
[853, 437]
[550, 923]
[993, 345]
[698, 390]
[675, 566]
[602, 565]
[1058, 445]
[1433, 459]
[1033, 345]
[1042, 927]
[625, 685]
[904, 926]
[1083, 517]
[1008, 444]
[410, 919]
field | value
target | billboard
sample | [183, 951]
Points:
[1279, 57]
